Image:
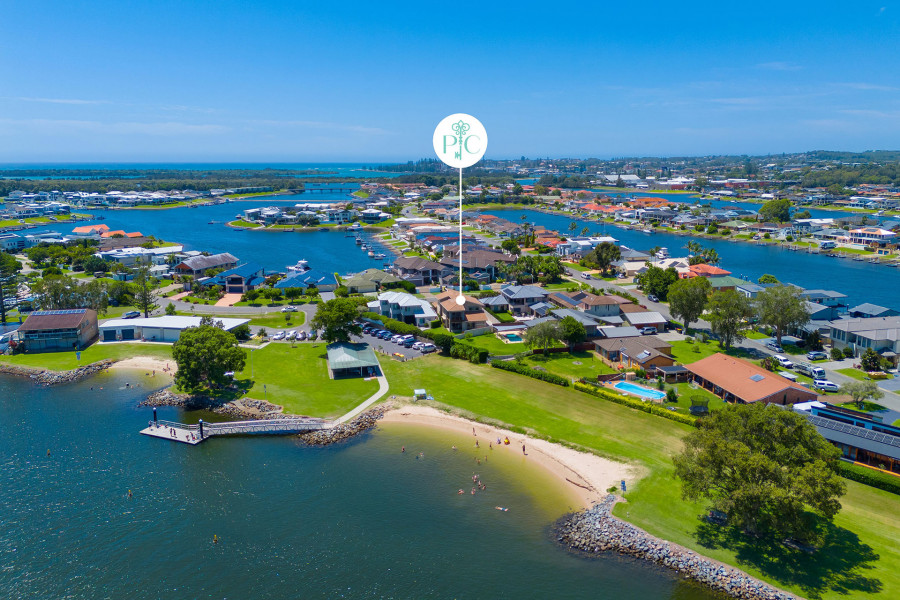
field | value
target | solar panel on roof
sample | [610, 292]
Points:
[884, 438]
[68, 311]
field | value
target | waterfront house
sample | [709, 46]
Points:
[704, 270]
[737, 380]
[48, 330]
[866, 236]
[475, 260]
[417, 270]
[862, 437]
[826, 298]
[310, 278]
[369, 281]
[238, 280]
[12, 242]
[868, 310]
[644, 352]
[460, 318]
[579, 246]
[496, 303]
[882, 334]
[404, 307]
[351, 360]
[198, 265]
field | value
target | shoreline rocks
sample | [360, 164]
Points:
[245, 408]
[47, 377]
[344, 431]
[597, 530]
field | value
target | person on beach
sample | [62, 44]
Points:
[490, 446]
[473, 491]
[473, 432]
[453, 448]
[523, 449]
[476, 443]
[402, 449]
[460, 492]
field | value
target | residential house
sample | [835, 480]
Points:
[644, 352]
[404, 307]
[238, 280]
[369, 281]
[826, 298]
[522, 297]
[475, 260]
[868, 310]
[460, 318]
[417, 270]
[873, 236]
[198, 265]
[646, 319]
[737, 380]
[591, 304]
[882, 334]
[323, 282]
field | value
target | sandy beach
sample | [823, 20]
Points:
[587, 475]
[147, 364]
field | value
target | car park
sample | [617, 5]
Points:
[784, 361]
[825, 385]
[816, 355]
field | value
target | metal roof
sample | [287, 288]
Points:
[860, 437]
[350, 356]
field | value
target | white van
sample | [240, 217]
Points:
[783, 361]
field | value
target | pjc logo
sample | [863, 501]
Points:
[460, 140]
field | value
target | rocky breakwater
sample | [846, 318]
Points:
[45, 377]
[245, 408]
[344, 431]
[596, 530]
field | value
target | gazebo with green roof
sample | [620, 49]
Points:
[352, 360]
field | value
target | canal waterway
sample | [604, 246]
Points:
[359, 520]
[860, 280]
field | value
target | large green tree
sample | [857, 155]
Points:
[860, 391]
[782, 308]
[603, 256]
[543, 335]
[727, 310]
[778, 211]
[336, 320]
[656, 281]
[144, 297]
[9, 281]
[688, 299]
[767, 468]
[204, 354]
[571, 331]
[58, 292]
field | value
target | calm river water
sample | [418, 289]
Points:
[359, 520]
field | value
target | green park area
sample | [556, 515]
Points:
[297, 378]
[860, 558]
[573, 366]
[687, 352]
[64, 361]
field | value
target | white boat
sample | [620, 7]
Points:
[354, 227]
[301, 267]
[647, 230]
[662, 253]
[371, 254]
[358, 241]
[363, 247]
[378, 255]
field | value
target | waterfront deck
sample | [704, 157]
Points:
[191, 434]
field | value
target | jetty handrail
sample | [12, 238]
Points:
[177, 425]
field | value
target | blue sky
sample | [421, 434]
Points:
[93, 80]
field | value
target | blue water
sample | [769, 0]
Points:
[349, 170]
[861, 281]
[638, 390]
[356, 520]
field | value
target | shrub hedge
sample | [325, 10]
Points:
[647, 407]
[515, 367]
[876, 479]
[471, 353]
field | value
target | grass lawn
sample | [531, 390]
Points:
[854, 373]
[866, 407]
[297, 378]
[246, 224]
[565, 286]
[563, 364]
[755, 335]
[686, 391]
[862, 556]
[64, 361]
[577, 267]
[503, 317]
[274, 319]
[684, 353]
[492, 344]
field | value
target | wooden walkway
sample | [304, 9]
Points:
[190, 434]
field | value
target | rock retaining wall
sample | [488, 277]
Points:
[45, 377]
[245, 408]
[344, 431]
[596, 530]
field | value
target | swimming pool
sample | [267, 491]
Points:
[512, 337]
[639, 390]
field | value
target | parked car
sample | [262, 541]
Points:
[772, 345]
[301, 335]
[825, 385]
[408, 343]
[366, 329]
[278, 336]
[652, 298]
[426, 348]
[783, 361]
[585, 275]
[289, 308]
[816, 355]
[291, 335]
[813, 371]
[131, 314]
[313, 334]
[385, 335]
[648, 331]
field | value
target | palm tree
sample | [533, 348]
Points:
[585, 230]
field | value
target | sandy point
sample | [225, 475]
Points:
[587, 475]
[161, 367]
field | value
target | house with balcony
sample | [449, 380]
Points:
[882, 334]
[522, 297]
[460, 318]
[404, 307]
